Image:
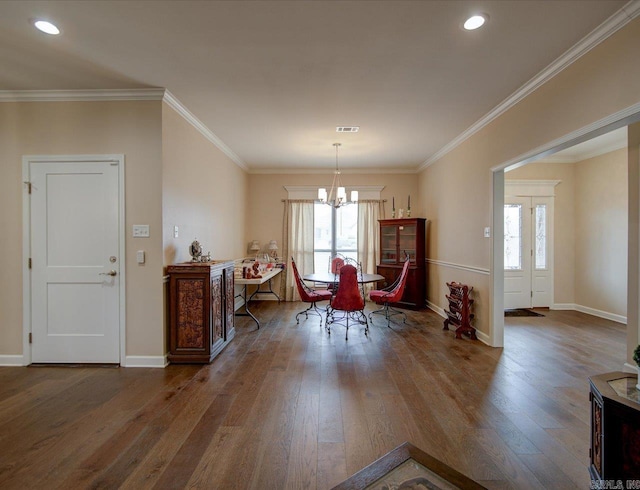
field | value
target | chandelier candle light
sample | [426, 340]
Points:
[337, 194]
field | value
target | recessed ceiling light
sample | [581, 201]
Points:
[46, 26]
[475, 21]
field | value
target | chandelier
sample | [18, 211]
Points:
[337, 194]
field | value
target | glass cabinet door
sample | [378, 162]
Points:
[407, 242]
[389, 246]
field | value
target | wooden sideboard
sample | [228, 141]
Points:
[397, 237]
[201, 310]
[614, 454]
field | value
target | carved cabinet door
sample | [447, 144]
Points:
[217, 310]
[229, 303]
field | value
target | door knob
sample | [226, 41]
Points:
[110, 273]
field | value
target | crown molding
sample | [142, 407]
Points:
[177, 106]
[88, 95]
[613, 24]
[324, 171]
[91, 95]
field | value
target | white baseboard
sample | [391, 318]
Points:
[12, 360]
[482, 337]
[602, 314]
[629, 368]
[590, 311]
[146, 361]
[435, 308]
[563, 306]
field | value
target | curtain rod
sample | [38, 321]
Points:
[315, 200]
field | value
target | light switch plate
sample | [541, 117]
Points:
[175, 232]
[140, 231]
[140, 256]
[487, 232]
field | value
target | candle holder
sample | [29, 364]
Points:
[408, 212]
[393, 213]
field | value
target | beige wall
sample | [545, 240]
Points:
[601, 233]
[266, 192]
[204, 194]
[68, 128]
[564, 250]
[457, 189]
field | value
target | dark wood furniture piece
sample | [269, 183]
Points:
[459, 313]
[397, 237]
[407, 467]
[201, 310]
[615, 430]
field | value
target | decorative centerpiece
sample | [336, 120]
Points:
[195, 250]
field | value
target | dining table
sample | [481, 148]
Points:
[331, 278]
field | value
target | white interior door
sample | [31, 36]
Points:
[528, 271]
[75, 276]
[517, 259]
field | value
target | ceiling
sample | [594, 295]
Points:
[272, 79]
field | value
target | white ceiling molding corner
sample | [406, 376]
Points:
[621, 118]
[603, 150]
[614, 23]
[188, 116]
[85, 95]
[536, 188]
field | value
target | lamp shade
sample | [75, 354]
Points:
[322, 194]
[255, 245]
[273, 245]
[354, 196]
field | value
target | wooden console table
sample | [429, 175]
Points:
[201, 321]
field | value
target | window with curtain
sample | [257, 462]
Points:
[334, 231]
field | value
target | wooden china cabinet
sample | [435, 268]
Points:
[201, 310]
[397, 237]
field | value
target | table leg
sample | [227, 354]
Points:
[259, 291]
[246, 306]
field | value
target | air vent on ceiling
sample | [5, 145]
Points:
[347, 129]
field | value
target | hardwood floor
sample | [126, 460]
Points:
[288, 406]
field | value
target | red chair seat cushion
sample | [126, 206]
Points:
[379, 296]
[320, 295]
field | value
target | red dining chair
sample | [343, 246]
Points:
[349, 299]
[391, 294]
[309, 295]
